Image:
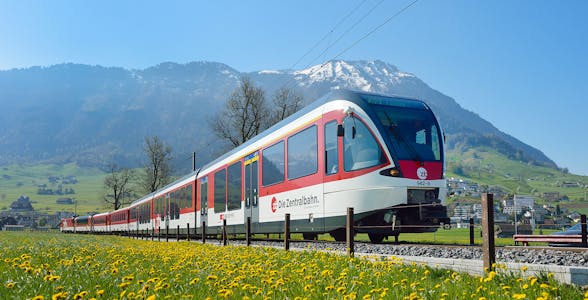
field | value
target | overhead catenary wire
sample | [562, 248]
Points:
[353, 10]
[402, 10]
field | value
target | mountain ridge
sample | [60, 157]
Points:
[93, 115]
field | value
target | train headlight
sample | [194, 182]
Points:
[392, 172]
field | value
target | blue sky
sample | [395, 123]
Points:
[522, 65]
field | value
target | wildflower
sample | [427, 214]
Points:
[519, 296]
[524, 268]
[124, 284]
[152, 297]
[9, 285]
[194, 281]
[533, 281]
[38, 297]
[211, 277]
[100, 292]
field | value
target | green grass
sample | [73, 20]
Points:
[486, 166]
[20, 180]
[55, 266]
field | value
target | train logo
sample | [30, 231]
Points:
[422, 173]
[274, 204]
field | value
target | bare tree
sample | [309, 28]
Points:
[158, 167]
[286, 102]
[118, 183]
[245, 114]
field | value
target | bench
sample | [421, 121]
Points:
[559, 239]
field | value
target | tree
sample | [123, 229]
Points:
[246, 112]
[118, 183]
[158, 167]
[244, 116]
[286, 102]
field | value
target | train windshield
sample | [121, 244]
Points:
[412, 129]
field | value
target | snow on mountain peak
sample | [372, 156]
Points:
[355, 74]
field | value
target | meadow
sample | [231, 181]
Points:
[56, 266]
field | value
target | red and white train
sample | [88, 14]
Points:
[381, 155]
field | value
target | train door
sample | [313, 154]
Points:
[252, 188]
[204, 200]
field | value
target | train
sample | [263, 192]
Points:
[381, 155]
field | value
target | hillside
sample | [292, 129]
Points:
[488, 167]
[92, 116]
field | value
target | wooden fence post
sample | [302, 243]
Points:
[248, 232]
[488, 231]
[349, 232]
[224, 232]
[287, 232]
[472, 231]
[583, 227]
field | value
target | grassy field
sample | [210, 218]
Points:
[55, 266]
[17, 180]
[486, 166]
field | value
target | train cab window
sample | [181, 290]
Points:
[234, 186]
[220, 191]
[302, 153]
[360, 147]
[331, 148]
[273, 164]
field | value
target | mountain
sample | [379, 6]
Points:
[92, 115]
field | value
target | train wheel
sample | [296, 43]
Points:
[339, 235]
[376, 238]
[310, 236]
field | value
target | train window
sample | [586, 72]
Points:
[234, 186]
[360, 147]
[273, 164]
[189, 196]
[331, 148]
[220, 188]
[302, 153]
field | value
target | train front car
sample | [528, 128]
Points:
[392, 150]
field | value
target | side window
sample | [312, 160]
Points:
[273, 164]
[189, 199]
[331, 148]
[220, 188]
[234, 186]
[360, 147]
[302, 153]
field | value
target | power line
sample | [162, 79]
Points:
[329, 33]
[358, 40]
[346, 32]
[376, 29]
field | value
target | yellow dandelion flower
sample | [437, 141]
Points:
[341, 289]
[100, 292]
[524, 268]
[152, 297]
[544, 286]
[194, 281]
[9, 285]
[124, 284]
[519, 296]
[329, 288]
[212, 277]
[38, 297]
